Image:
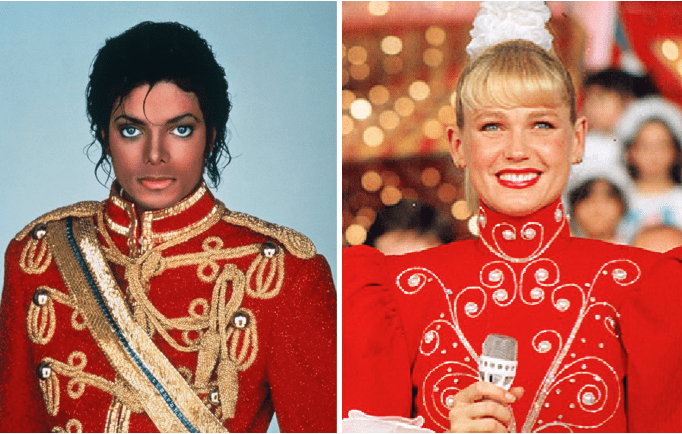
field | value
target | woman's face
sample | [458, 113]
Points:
[653, 152]
[518, 158]
[599, 213]
[157, 143]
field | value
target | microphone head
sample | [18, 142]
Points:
[497, 363]
[500, 347]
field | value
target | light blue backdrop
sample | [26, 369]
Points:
[280, 60]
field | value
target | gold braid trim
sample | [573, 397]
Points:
[180, 398]
[296, 243]
[41, 321]
[35, 257]
[118, 417]
[79, 379]
[73, 425]
[260, 286]
[80, 209]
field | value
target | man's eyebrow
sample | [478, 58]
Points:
[136, 121]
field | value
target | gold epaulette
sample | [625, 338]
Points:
[296, 243]
[80, 209]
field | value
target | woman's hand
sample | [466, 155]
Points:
[483, 407]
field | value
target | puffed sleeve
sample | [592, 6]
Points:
[376, 367]
[21, 404]
[302, 351]
[651, 327]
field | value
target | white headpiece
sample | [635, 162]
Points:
[646, 109]
[503, 21]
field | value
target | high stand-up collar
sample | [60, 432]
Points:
[157, 226]
[523, 239]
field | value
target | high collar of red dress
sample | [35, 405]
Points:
[522, 239]
[156, 226]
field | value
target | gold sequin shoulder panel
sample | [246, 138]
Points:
[79, 209]
[296, 243]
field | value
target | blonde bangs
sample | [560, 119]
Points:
[514, 74]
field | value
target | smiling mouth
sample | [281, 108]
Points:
[517, 179]
[156, 183]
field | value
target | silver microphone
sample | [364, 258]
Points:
[497, 364]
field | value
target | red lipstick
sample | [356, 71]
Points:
[518, 178]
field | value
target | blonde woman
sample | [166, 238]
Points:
[414, 325]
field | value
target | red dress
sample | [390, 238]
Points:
[598, 342]
[243, 310]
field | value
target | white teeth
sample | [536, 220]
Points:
[518, 177]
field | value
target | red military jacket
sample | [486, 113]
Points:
[598, 343]
[194, 318]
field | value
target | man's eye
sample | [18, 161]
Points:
[490, 127]
[183, 131]
[130, 131]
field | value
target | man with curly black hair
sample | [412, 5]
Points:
[159, 309]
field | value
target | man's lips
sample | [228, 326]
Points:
[518, 178]
[156, 183]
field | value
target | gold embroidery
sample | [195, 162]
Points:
[152, 359]
[78, 379]
[148, 237]
[73, 425]
[296, 243]
[50, 389]
[118, 418]
[35, 257]
[80, 209]
[255, 276]
[41, 320]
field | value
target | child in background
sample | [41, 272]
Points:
[651, 130]
[607, 95]
[597, 207]
[409, 226]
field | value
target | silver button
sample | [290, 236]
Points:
[558, 214]
[544, 346]
[563, 304]
[40, 297]
[619, 274]
[541, 275]
[471, 308]
[536, 293]
[240, 320]
[39, 231]
[500, 295]
[529, 234]
[269, 249]
[589, 398]
[214, 397]
[495, 275]
[44, 370]
[428, 337]
[413, 280]
[482, 220]
[450, 401]
[508, 235]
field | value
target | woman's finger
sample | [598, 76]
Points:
[483, 389]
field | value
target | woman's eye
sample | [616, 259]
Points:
[544, 125]
[183, 131]
[130, 131]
